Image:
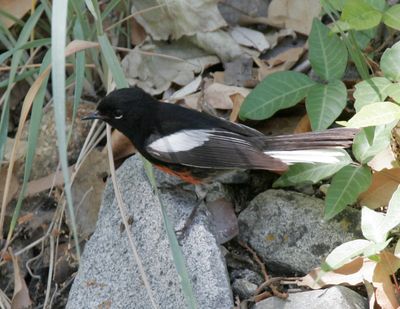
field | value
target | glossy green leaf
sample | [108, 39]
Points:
[327, 53]
[375, 114]
[361, 15]
[371, 141]
[346, 186]
[310, 173]
[370, 91]
[391, 17]
[390, 63]
[277, 91]
[325, 103]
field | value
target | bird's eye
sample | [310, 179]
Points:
[118, 114]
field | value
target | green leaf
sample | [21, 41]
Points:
[346, 185]
[371, 225]
[324, 103]
[371, 141]
[345, 253]
[393, 91]
[310, 173]
[370, 91]
[391, 17]
[375, 114]
[375, 225]
[333, 5]
[390, 63]
[361, 15]
[327, 53]
[277, 91]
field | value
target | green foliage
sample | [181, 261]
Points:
[375, 227]
[371, 141]
[275, 92]
[370, 91]
[325, 103]
[328, 55]
[346, 186]
[360, 14]
[390, 63]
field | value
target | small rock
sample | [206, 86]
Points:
[287, 231]
[243, 288]
[337, 297]
[109, 274]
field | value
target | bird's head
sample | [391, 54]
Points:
[122, 107]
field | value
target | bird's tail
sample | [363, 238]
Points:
[311, 147]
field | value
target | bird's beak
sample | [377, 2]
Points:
[95, 115]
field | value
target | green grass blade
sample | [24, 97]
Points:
[34, 128]
[58, 38]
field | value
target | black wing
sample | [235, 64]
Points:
[211, 148]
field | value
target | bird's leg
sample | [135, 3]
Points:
[201, 191]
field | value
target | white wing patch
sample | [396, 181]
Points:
[330, 156]
[180, 141]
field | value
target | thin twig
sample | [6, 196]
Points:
[256, 258]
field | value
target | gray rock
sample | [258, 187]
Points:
[244, 288]
[108, 273]
[337, 297]
[287, 231]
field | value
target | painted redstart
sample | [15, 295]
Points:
[195, 146]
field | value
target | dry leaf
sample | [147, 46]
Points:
[121, 145]
[138, 34]
[237, 100]
[13, 188]
[20, 299]
[177, 18]
[386, 159]
[45, 183]
[219, 96]
[176, 62]
[282, 62]
[351, 274]
[87, 190]
[304, 125]
[250, 38]
[295, 14]
[384, 183]
[16, 8]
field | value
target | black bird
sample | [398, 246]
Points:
[194, 146]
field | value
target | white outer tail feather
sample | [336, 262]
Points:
[330, 156]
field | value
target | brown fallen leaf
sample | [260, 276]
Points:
[14, 185]
[295, 14]
[384, 183]
[282, 62]
[20, 299]
[219, 96]
[237, 100]
[16, 8]
[304, 125]
[138, 34]
[121, 145]
[361, 269]
[87, 190]
[386, 159]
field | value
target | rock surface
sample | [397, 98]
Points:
[108, 274]
[287, 231]
[337, 297]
